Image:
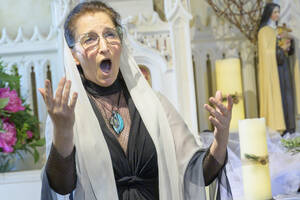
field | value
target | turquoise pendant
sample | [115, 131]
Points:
[116, 121]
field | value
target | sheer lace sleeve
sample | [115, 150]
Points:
[61, 172]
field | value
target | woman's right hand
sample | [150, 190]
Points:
[60, 110]
[61, 113]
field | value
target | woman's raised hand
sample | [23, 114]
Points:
[220, 117]
[60, 110]
[62, 114]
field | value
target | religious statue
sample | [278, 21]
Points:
[275, 73]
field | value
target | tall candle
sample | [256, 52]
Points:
[229, 82]
[254, 156]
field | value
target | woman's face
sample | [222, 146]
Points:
[275, 14]
[100, 62]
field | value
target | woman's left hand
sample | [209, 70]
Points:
[220, 118]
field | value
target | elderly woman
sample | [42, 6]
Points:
[122, 140]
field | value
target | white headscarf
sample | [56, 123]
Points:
[174, 143]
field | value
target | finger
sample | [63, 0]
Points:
[59, 91]
[65, 98]
[218, 96]
[219, 105]
[48, 101]
[47, 95]
[73, 100]
[230, 103]
[49, 88]
[215, 122]
[42, 92]
[213, 112]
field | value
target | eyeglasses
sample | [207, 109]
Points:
[90, 41]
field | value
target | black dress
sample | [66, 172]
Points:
[136, 172]
[286, 87]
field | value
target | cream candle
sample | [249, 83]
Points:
[254, 156]
[229, 82]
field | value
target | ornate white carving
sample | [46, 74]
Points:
[21, 38]
[4, 37]
[178, 9]
[153, 60]
[152, 32]
[171, 4]
[60, 9]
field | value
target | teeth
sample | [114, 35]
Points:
[105, 65]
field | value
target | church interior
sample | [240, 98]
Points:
[186, 50]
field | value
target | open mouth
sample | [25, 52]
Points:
[106, 65]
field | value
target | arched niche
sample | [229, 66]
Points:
[153, 60]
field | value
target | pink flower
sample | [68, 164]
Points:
[14, 103]
[8, 138]
[29, 134]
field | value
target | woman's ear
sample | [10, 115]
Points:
[75, 56]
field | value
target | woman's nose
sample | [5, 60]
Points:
[103, 46]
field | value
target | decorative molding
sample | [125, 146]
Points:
[152, 55]
[21, 38]
[23, 45]
[151, 32]
[142, 21]
[179, 10]
[171, 4]
[151, 58]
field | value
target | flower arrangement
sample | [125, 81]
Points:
[18, 127]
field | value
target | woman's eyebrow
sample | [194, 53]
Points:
[84, 34]
[93, 31]
[90, 31]
[108, 29]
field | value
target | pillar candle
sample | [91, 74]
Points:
[229, 82]
[256, 175]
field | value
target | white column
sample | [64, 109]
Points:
[179, 20]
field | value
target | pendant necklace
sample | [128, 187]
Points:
[115, 120]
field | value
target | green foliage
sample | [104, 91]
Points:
[3, 102]
[11, 80]
[292, 145]
[258, 159]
